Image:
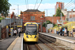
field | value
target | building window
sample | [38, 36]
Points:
[62, 5]
[32, 17]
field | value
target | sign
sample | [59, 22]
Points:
[49, 26]
[31, 25]
[19, 25]
[6, 26]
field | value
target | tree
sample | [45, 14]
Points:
[4, 7]
[58, 11]
[45, 23]
[1, 18]
[48, 22]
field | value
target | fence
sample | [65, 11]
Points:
[3, 30]
[19, 21]
[72, 19]
[6, 22]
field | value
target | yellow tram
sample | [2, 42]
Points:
[31, 32]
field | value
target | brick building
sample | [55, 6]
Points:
[60, 5]
[71, 13]
[33, 15]
[54, 19]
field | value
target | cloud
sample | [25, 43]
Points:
[43, 7]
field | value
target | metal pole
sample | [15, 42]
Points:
[67, 15]
[61, 16]
[10, 22]
[18, 9]
[52, 20]
[41, 26]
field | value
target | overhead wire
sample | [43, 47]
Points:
[26, 4]
[35, 4]
[68, 3]
[74, 3]
[39, 4]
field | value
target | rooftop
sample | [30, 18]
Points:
[32, 10]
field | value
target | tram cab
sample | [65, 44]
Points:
[31, 32]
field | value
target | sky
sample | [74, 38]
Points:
[46, 5]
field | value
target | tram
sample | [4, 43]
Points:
[31, 32]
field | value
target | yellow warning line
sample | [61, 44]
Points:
[12, 44]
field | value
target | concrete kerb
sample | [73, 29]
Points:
[67, 42]
[12, 44]
[22, 44]
[16, 44]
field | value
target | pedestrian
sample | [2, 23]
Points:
[15, 32]
[19, 31]
[71, 33]
[55, 31]
[65, 32]
[61, 31]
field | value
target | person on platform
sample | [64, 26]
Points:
[19, 31]
[15, 32]
[71, 33]
[63, 29]
[65, 32]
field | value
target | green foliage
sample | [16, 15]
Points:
[54, 25]
[4, 7]
[1, 18]
[53, 15]
[48, 22]
[58, 11]
[45, 23]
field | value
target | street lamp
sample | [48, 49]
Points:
[41, 23]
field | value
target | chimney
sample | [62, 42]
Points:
[72, 10]
[65, 9]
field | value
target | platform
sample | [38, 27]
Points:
[67, 41]
[17, 44]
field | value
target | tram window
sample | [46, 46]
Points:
[31, 30]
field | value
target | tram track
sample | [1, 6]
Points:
[31, 46]
[50, 44]
[44, 43]
[54, 44]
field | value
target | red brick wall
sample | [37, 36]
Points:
[54, 19]
[44, 29]
[27, 16]
[3, 32]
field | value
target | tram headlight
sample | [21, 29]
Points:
[27, 36]
[35, 36]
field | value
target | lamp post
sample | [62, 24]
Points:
[41, 23]
[46, 26]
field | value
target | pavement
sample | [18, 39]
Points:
[4, 43]
[11, 43]
[17, 44]
[67, 38]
